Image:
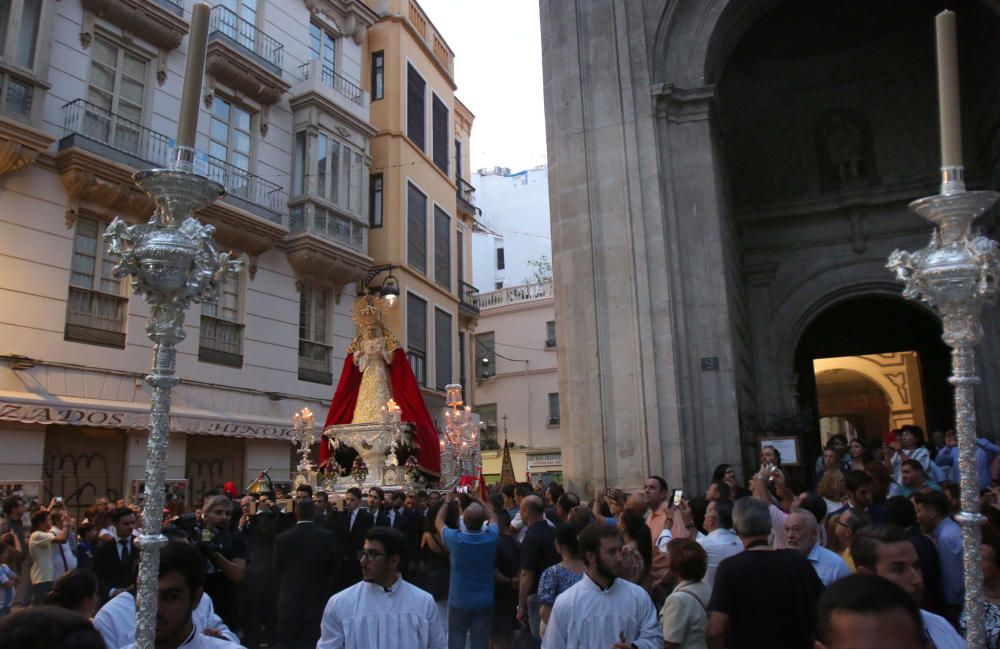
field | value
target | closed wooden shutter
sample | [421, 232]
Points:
[211, 462]
[416, 336]
[439, 121]
[416, 228]
[83, 464]
[442, 348]
[442, 248]
[415, 107]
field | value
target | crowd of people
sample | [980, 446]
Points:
[871, 554]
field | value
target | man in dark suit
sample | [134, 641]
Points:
[378, 507]
[305, 565]
[113, 560]
[350, 527]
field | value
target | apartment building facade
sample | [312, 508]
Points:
[89, 93]
[424, 207]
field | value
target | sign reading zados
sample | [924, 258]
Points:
[107, 418]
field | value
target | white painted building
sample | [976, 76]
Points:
[90, 93]
[517, 381]
[515, 213]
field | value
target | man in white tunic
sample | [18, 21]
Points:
[181, 585]
[601, 611]
[383, 611]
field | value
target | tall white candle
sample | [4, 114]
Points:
[194, 71]
[948, 89]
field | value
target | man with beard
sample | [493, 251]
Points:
[181, 586]
[384, 611]
[601, 610]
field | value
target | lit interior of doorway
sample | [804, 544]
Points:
[866, 396]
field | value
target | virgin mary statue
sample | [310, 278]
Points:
[375, 370]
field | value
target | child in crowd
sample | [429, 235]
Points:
[8, 579]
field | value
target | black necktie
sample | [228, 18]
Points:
[125, 557]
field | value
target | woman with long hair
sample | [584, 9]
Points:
[434, 562]
[637, 552]
[860, 456]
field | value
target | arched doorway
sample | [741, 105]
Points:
[874, 325]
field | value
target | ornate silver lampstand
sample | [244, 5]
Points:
[956, 275]
[173, 262]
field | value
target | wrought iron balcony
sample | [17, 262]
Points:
[244, 186]
[221, 342]
[111, 136]
[176, 6]
[330, 78]
[314, 362]
[466, 195]
[96, 318]
[468, 298]
[326, 247]
[160, 22]
[224, 23]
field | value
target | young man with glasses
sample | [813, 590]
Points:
[383, 611]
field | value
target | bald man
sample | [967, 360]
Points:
[473, 554]
[802, 533]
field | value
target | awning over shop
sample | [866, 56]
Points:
[28, 408]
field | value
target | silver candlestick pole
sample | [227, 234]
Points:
[956, 275]
[173, 261]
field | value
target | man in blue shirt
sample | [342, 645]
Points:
[985, 452]
[932, 514]
[473, 553]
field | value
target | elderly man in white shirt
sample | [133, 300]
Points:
[721, 542]
[801, 530]
[383, 611]
[601, 610]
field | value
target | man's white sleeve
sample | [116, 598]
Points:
[555, 630]
[331, 629]
[650, 633]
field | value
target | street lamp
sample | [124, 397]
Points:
[389, 290]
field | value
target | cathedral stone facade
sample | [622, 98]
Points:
[727, 179]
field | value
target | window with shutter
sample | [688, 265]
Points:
[439, 119]
[415, 102]
[416, 228]
[442, 348]
[486, 356]
[460, 256]
[375, 200]
[442, 248]
[488, 418]
[416, 336]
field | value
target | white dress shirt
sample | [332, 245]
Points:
[367, 616]
[198, 640]
[116, 620]
[941, 632]
[827, 564]
[585, 616]
[718, 544]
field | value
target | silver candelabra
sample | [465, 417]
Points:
[956, 275]
[173, 261]
[302, 427]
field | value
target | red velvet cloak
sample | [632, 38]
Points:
[407, 395]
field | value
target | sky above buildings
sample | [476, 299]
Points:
[498, 70]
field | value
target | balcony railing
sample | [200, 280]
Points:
[130, 143]
[515, 295]
[330, 78]
[314, 362]
[143, 145]
[225, 23]
[242, 184]
[468, 297]
[95, 317]
[466, 195]
[221, 342]
[330, 225]
[17, 97]
[176, 6]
